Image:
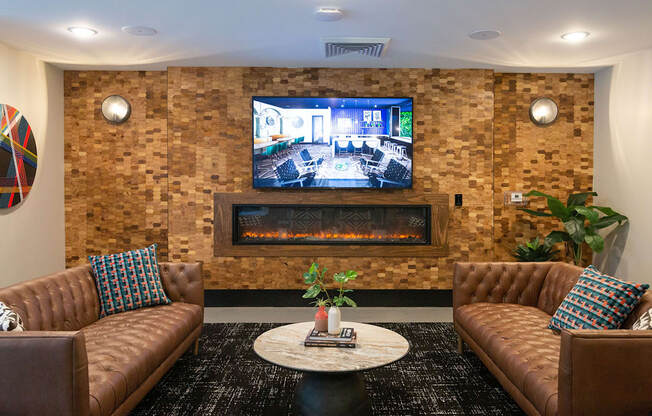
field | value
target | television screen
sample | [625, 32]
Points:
[305, 142]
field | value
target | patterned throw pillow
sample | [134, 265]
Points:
[644, 321]
[128, 280]
[9, 320]
[597, 301]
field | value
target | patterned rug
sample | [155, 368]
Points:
[227, 378]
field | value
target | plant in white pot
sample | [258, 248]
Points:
[316, 279]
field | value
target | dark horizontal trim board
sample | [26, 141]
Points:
[371, 298]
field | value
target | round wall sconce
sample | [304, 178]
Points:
[116, 109]
[543, 111]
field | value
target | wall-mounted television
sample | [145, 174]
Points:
[332, 143]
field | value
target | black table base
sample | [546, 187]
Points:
[331, 394]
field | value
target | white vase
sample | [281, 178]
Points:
[334, 319]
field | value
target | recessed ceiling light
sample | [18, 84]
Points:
[139, 30]
[484, 34]
[82, 32]
[328, 14]
[575, 36]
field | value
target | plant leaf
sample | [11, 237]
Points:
[349, 301]
[594, 240]
[589, 213]
[351, 274]
[609, 220]
[339, 277]
[536, 213]
[537, 193]
[555, 237]
[313, 268]
[309, 278]
[580, 198]
[312, 292]
[575, 228]
[604, 210]
[558, 209]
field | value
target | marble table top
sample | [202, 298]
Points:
[375, 347]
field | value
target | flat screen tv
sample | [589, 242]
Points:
[332, 143]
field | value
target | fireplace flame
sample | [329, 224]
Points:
[328, 236]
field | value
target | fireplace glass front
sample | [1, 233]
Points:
[330, 224]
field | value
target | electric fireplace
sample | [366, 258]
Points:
[331, 224]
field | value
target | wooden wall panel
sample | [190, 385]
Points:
[556, 160]
[194, 124]
[115, 175]
[210, 136]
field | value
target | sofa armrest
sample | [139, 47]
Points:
[498, 282]
[43, 373]
[605, 372]
[183, 282]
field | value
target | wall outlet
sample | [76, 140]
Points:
[458, 200]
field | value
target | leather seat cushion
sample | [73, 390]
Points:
[519, 342]
[125, 348]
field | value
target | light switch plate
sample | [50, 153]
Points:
[515, 198]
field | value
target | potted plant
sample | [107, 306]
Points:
[316, 279]
[581, 222]
[534, 251]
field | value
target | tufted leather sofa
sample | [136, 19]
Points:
[69, 362]
[502, 310]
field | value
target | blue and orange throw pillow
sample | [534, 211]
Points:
[128, 280]
[597, 301]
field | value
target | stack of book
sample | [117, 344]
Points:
[345, 339]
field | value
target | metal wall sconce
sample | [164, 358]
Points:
[543, 111]
[116, 109]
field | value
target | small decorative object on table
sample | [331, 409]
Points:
[321, 317]
[344, 339]
[315, 278]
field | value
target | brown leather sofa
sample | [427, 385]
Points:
[69, 362]
[501, 310]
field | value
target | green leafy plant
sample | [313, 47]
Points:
[534, 250]
[316, 279]
[581, 223]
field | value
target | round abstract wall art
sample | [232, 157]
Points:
[17, 157]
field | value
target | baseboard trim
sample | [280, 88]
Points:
[292, 298]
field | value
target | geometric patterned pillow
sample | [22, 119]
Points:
[9, 320]
[128, 280]
[597, 301]
[644, 321]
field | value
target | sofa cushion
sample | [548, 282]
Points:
[644, 322]
[597, 301]
[9, 319]
[124, 349]
[518, 341]
[128, 280]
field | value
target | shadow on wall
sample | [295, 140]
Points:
[614, 245]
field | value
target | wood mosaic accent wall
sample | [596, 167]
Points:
[557, 160]
[115, 175]
[189, 137]
[210, 151]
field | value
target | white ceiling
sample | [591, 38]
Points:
[424, 33]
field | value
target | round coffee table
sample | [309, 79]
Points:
[331, 383]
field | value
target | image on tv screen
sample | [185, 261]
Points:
[305, 142]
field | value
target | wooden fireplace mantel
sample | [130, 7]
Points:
[223, 225]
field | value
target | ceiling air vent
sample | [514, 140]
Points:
[375, 47]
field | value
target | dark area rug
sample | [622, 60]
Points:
[227, 378]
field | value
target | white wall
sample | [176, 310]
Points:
[32, 241]
[623, 160]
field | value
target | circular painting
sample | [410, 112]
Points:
[17, 157]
